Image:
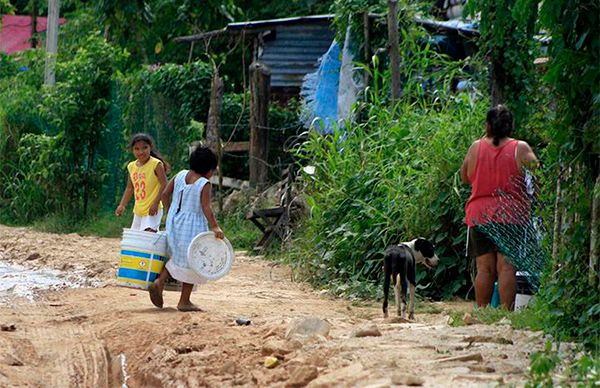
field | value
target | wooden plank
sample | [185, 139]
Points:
[237, 146]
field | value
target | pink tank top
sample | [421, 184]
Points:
[497, 191]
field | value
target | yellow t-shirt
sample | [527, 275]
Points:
[146, 186]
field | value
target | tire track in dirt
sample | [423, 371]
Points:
[67, 351]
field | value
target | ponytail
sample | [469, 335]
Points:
[501, 123]
[158, 156]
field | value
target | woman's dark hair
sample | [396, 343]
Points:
[203, 160]
[153, 151]
[501, 122]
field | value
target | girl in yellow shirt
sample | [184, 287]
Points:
[146, 180]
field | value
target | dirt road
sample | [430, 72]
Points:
[108, 336]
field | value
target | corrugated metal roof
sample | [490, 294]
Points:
[268, 24]
[294, 51]
[293, 48]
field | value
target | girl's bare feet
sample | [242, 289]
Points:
[155, 292]
[188, 307]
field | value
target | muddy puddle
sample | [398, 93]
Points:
[19, 281]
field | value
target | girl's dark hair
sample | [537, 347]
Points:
[153, 151]
[203, 160]
[501, 122]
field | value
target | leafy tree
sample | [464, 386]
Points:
[260, 10]
[507, 31]
[573, 155]
[6, 7]
[570, 130]
[77, 106]
[147, 28]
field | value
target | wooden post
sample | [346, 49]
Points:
[213, 126]
[394, 43]
[497, 82]
[260, 82]
[51, 41]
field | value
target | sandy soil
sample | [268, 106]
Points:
[105, 336]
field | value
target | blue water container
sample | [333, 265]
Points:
[495, 296]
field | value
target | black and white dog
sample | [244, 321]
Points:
[399, 264]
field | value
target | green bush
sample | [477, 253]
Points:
[20, 82]
[56, 166]
[552, 367]
[388, 180]
[8, 67]
[392, 176]
[39, 185]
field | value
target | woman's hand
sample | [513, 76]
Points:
[218, 232]
[120, 210]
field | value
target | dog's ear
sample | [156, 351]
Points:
[425, 247]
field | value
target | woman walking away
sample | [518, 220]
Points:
[146, 180]
[493, 167]
[189, 214]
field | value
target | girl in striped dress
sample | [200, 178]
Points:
[189, 213]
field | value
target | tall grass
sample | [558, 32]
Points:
[390, 179]
[392, 176]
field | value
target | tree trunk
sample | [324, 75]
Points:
[497, 82]
[260, 81]
[51, 41]
[594, 234]
[34, 16]
[393, 46]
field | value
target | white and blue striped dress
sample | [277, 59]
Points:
[185, 220]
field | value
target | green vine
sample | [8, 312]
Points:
[574, 156]
[349, 13]
[567, 101]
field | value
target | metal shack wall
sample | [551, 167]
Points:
[294, 51]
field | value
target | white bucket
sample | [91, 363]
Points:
[522, 300]
[143, 255]
[524, 291]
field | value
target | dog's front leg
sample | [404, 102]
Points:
[411, 306]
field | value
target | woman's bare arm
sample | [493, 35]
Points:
[526, 157]
[468, 166]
